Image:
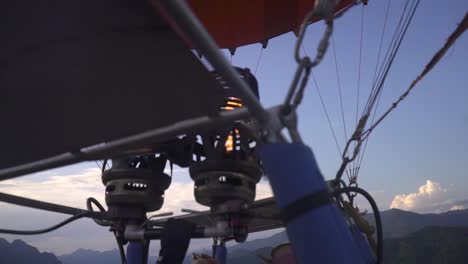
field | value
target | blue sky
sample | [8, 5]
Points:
[423, 139]
[415, 157]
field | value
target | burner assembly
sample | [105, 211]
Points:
[226, 179]
[223, 163]
[135, 186]
[221, 184]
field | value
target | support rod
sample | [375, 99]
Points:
[51, 207]
[105, 150]
[180, 14]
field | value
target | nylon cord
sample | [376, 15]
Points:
[378, 85]
[258, 60]
[353, 164]
[390, 55]
[360, 62]
[398, 38]
[339, 88]
[435, 59]
[324, 107]
[374, 79]
[396, 41]
[380, 50]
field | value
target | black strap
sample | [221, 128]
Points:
[305, 204]
[175, 240]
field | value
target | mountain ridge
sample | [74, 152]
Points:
[22, 253]
[431, 245]
[398, 223]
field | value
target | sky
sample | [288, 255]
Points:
[415, 159]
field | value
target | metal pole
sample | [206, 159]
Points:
[192, 28]
[51, 207]
[104, 150]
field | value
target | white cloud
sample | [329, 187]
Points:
[427, 196]
[70, 190]
[263, 190]
[457, 207]
[180, 195]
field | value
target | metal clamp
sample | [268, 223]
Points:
[280, 119]
[290, 122]
[358, 138]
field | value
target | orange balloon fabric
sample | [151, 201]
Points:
[237, 23]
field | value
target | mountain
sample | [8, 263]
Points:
[95, 257]
[248, 252]
[407, 236]
[430, 245]
[398, 223]
[19, 252]
[91, 256]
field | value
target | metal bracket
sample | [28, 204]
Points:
[280, 119]
[290, 122]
